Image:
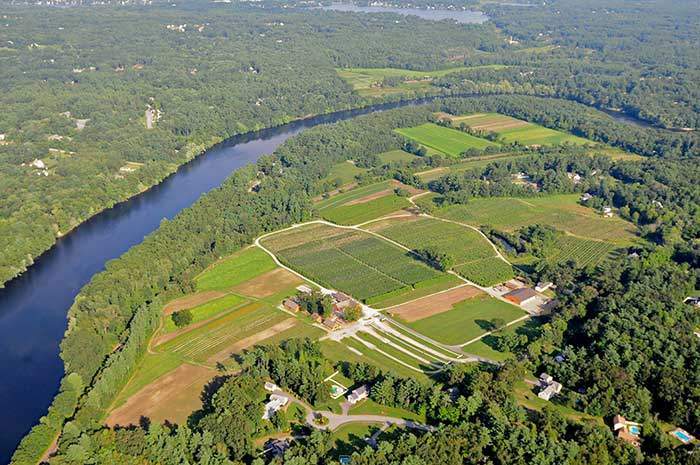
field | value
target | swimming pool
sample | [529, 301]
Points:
[682, 435]
[635, 430]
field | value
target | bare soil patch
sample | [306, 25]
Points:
[191, 301]
[171, 397]
[268, 283]
[252, 340]
[434, 304]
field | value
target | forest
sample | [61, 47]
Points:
[77, 84]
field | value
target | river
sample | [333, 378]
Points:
[33, 306]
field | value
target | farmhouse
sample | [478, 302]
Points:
[358, 394]
[276, 402]
[521, 296]
[548, 387]
[332, 323]
[342, 300]
[628, 431]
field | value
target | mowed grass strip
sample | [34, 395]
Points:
[207, 310]
[562, 212]
[385, 363]
[486, 271]
[421, 289]
[449, 141]
[467, 319]
[349, 260]
[366, 211]
[423, 341]
[398, 354]
[205, 341]
[235, 269]
[463, 244]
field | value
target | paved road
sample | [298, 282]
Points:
[335, 421]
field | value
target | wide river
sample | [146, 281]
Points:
[33, 307]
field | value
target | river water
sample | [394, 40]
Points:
[33, 307]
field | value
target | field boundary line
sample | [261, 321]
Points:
[373, 347]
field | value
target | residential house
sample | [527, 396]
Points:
[332, 323]
[607, 212]
[548, 387]
[358, 394]
[275, 403]
[317, 318]
[2, 137]
[277, 447]
[38, 164]
[521, 296]
[586, 197]
[628, 431]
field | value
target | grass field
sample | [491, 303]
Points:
[369, 407]
[514, 130]
[352, 195]
[559, 211]
[233, 270]
[467, 320]
[345, 172]
[208, 310]
[466, 165]
[450, 142]
[353, 261]
[396, 156]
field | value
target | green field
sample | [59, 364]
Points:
[369, 407]
[559, 211]
[450, 142]
[366, 211]
[463, 244]
[397, 156]
[437, 284]
[353, 261]
[584, 251]
[514, 130]
[344, 173]
[471, 163]
[354, 194]
[208, 310]
[466, 320]
[233, 270]
[486, 271]
[201, 343]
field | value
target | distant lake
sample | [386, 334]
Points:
[460, 16]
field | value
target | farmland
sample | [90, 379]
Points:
[234, 270]
[397, 156]
[362, 204]
[474, 258]
[447, 141]
[514, 130]
[486, 271]
[208, 310]
[358, 263]
[344, 172]
[559, 211]
[367, 82]
[461, 243]
[466, 320]
[583, 251]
